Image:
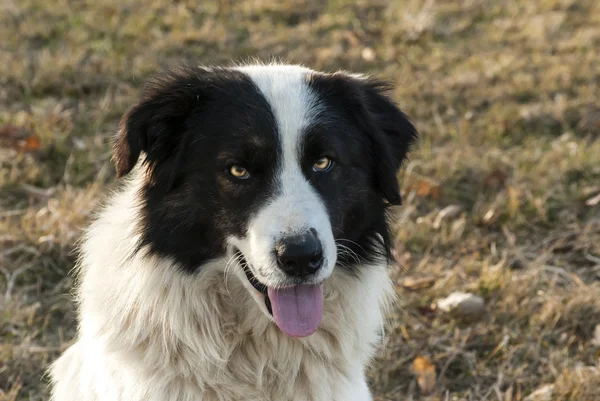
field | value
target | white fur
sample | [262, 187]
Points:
[149, 332]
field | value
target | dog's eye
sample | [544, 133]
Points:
[323, 164]
[239, 172]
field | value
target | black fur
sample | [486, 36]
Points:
[194, 123]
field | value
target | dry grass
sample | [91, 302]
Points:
[505, 94]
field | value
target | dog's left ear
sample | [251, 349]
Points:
[389, 130]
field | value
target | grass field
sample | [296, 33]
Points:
[502, 193]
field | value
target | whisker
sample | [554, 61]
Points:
[347, 251]
[352, 242]
[233, 260]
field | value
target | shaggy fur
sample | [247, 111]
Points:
[162, 320]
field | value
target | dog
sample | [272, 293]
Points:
[244, 256]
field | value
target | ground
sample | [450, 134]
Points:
[502, 193]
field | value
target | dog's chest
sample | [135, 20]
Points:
[274, 368]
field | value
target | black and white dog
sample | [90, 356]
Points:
[245, 256]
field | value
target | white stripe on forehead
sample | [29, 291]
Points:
[292, 102]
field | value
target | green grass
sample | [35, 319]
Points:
[505, 95]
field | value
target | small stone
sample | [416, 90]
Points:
[543, 393]
[462, 305]
[593, 201]
[368, 54]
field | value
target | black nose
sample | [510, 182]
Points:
[300, 255]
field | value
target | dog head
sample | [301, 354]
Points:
[286, 170]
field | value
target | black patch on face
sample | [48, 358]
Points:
[368, 137]
[193, 125]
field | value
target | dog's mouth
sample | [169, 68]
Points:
[297, 310]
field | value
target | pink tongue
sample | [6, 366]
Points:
[297, 310]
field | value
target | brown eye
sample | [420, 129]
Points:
[322, 164]
[239, 172]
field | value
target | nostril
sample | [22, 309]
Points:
[316, 261]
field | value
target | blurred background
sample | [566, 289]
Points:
[502, 193]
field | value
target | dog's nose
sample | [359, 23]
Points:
[300, 255]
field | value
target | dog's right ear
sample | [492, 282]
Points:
[155, 124]
[130, 139]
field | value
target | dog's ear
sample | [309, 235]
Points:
[388, 129]
[154, 125]
[392, 134]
